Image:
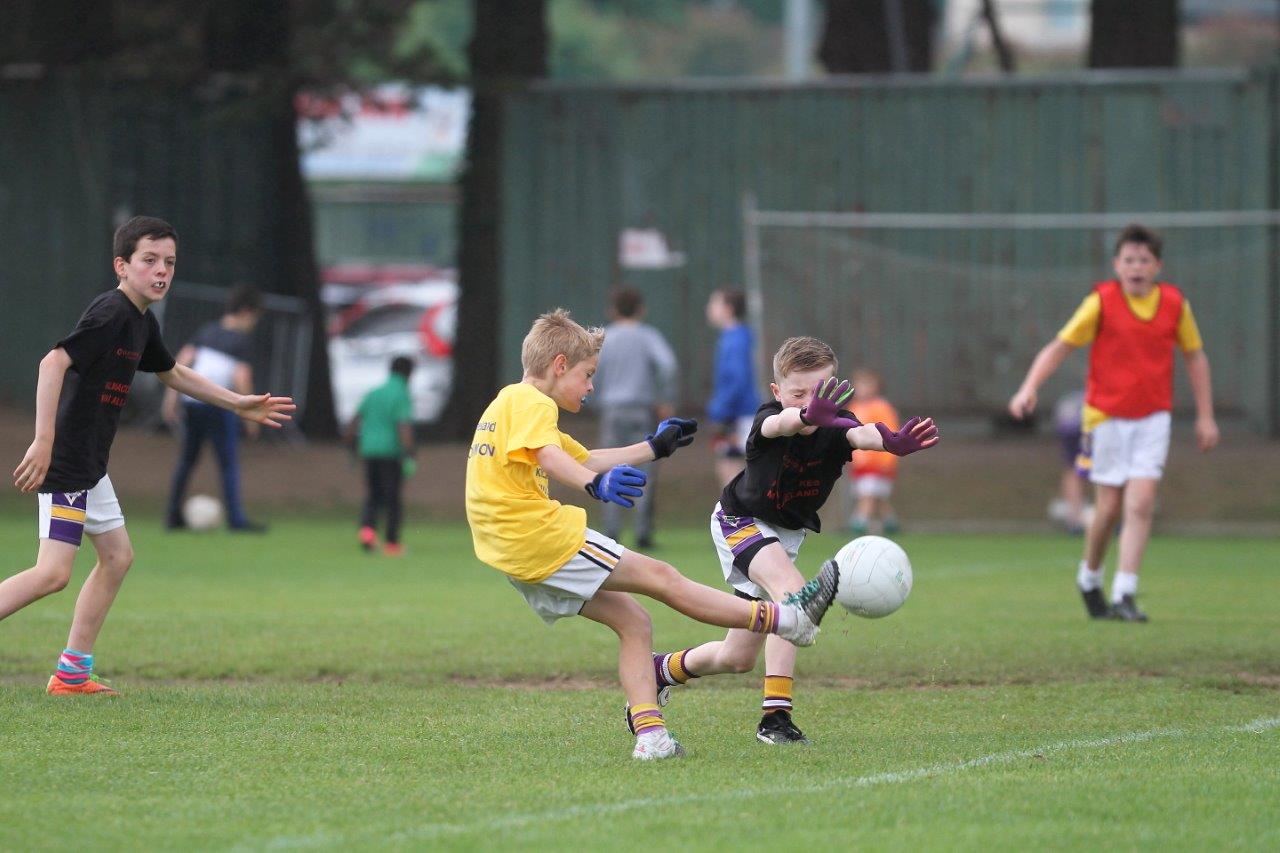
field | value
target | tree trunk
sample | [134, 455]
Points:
[1127, 34]
[251, 40]
[877, 36]
[508, 49]
[1003, 53]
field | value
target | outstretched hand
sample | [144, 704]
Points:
[618, 485]
[916, 434]
[265, 409]
[671, 434]
[824, 409]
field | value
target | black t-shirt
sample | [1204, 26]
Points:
[112, 340]
[787, 479]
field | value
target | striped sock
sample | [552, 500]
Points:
[764, 618]
[669, 669]
[777, 693]
[74, 667]
[646, 718]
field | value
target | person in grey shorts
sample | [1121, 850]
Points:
[637, 383]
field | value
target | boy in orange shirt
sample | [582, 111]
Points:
[1131, 324]
[873, 473]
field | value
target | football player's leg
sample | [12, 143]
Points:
[50, 574]
[115, 556]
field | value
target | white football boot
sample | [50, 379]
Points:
[656, 744]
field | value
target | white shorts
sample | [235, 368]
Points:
[872, 486]
[1122, 449]
[739, 536]
[67, 516]
[564, 591]
[735, 444]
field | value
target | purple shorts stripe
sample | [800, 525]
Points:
[731, 525]
[64, 530]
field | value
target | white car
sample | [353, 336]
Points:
[372, 323]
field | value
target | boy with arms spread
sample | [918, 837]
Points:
[84, 384]
[796, 453]
[562, 567]
[1132, 324]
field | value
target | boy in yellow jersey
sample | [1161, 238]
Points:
[1132, 324]
[562, 567]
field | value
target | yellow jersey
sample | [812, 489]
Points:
[1082, 328]
[515, 525]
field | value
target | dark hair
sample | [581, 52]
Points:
[243, 297]
[737, 302]
[1143, 236]
[128, 234]
[402, 365]
[627, 302]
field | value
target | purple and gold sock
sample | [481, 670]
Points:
[777, 693]
[670, 670]
[74, 667]
[764, 618]
[646, 718]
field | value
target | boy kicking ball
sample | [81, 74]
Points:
[83, 385]
[796, 453]
[562, 567]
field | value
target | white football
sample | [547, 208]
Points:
[202, 512]
[875, 576]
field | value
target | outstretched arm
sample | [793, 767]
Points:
[1202, 390]
[260, 408]
[169, 408]
[1048, 360]
[605, 458]
[31, 471]
[618, 484]
[916, 434]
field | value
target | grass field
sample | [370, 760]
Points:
[289, 691]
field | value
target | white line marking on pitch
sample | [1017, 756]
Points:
[433, 830]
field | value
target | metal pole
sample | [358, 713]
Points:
[798, 26]
[751, 279]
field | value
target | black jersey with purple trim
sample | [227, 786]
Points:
[789, 478]
[111, 342]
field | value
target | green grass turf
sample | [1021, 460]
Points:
[289, 691]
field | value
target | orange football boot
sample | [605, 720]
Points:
[58, 687]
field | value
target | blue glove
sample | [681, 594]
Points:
[618, 485]
[671, 434]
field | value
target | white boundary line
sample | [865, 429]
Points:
[436, 830]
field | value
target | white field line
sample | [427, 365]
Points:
[593, 810]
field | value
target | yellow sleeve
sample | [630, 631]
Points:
[1082, 328]
[573, 448]
[531, 429]
[1188, 331]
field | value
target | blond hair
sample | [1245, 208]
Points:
[554, 334]
[801, 354]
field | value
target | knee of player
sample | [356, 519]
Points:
[740, 663]
[118, 559]
[637, 624]
[55, 578]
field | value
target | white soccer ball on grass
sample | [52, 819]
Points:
[875, 576]
[202, 512]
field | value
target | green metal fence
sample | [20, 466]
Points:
[959, 313]
[78, 156]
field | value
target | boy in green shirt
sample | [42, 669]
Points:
[383, 428]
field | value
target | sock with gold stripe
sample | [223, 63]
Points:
[777, 693]
[764, 617]
[670, 669]
[646, 718]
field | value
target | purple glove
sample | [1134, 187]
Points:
[916, 434]
[824, 409]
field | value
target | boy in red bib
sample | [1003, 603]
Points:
[1133, 323]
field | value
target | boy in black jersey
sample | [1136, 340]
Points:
[83, 386]
[796, 452]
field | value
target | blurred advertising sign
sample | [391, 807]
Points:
[391, 132]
